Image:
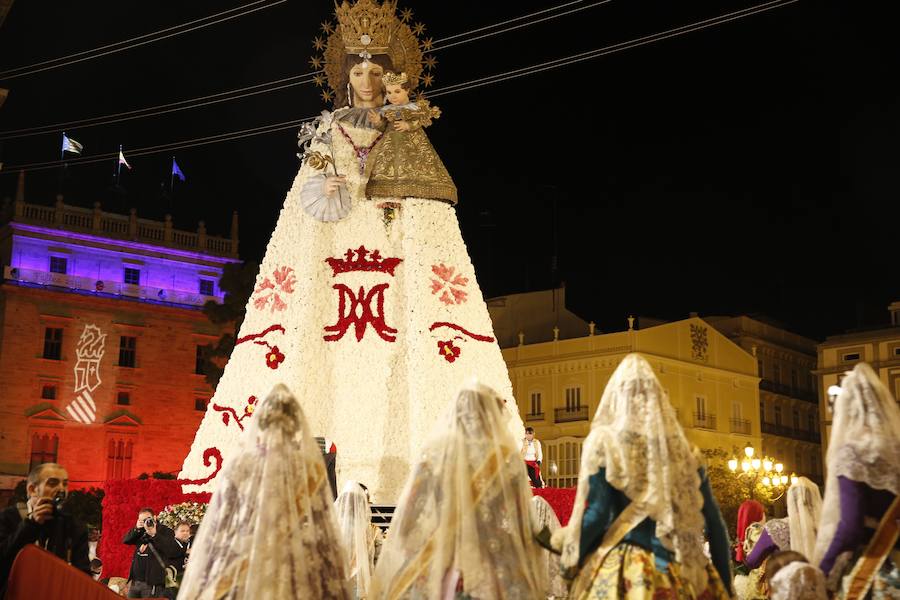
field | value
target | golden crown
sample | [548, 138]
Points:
[394, 79]
[366, 26]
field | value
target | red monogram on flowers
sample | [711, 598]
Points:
[449, 281]
[362, 259]
[228, 413]
[362, 152]
[356, 310]
[268, 291]
[448, 350]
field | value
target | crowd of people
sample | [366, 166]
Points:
[644, 524]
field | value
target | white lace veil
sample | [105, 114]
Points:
[804, 508]
[465, 511]
[269, 531]
[545, 517]
[637, 437]
[798, 581]
[864, 445]
[354, 517]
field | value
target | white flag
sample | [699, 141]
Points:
[70, 145]
[122, 160]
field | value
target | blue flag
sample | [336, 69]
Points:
[176, 172]
[70, 145]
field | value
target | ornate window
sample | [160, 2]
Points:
[44, 449]
[118, 458]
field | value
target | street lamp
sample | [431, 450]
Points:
[765, 470]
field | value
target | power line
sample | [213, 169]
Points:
[277, 84]
[141, 40]
[489, 80]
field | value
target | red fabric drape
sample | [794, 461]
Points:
[37, 573]
[560, 499]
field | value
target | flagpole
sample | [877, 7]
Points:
[62, 158]
[172, 179]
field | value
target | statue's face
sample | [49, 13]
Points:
[396, 94]
[365, 79]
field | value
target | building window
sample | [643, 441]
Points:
[123, 398]
[811, 421]
[798, 459]
[53, 343]
[794, 379]
[127, 351]
[118, 459]
[776, 373]
[536, 403]
[200, 404]
[762, 411]
[814, 463]
[759, 365]
[897, 351]
[132, 276]
[573, 398]
[59, 264]
[48, 391]
[777, 415]
[849, 356]
[199, 362]
[796, 419]
[44, 449]
[700, 402]
[737, 411]
[206, 287]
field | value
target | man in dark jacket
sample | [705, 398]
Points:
[42, 520]
[155, 544]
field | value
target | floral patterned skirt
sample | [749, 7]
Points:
[630, 572]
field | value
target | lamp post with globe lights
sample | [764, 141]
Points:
[767, 471]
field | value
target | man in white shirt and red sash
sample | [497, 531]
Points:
[531, 452]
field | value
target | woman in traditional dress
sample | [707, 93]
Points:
[347, 300]
[269, 531]
[546, 517]
[463, 527]
[354, 517]
[643, 502]
[862, 486]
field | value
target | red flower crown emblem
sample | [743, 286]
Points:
[362, 259]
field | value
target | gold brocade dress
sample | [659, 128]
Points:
[404, 164]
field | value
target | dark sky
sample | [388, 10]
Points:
[750, 167]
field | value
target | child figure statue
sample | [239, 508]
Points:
[404, 163]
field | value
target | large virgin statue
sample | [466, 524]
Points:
[366, 305]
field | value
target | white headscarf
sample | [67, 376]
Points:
[798, 581]
[804, 507]
[637, 438]
[545, 517]
[864, 445]
[465, 512]
[354, 517]
[269, 531]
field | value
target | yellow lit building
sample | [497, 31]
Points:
[558, 381]
[840, 353]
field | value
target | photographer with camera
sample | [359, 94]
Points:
[42, 520]
[155, 545]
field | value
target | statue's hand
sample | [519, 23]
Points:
[374, 117]
[333, 182]
[401, 125]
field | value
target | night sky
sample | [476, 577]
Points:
[750, 167]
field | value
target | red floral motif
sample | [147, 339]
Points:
[448, 350]
[461, 329]
[228, 412]
[209, 455]
[274, 357]
[270, 292]
[449, 283]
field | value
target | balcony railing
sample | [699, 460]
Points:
[567, 415]
[786, 390]
[115, 288]
[741, 426]
[534, 416]
[704, 420]
[791, 432]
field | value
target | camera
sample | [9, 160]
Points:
[58, 500]
[149, 522]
